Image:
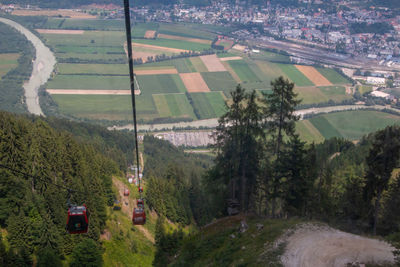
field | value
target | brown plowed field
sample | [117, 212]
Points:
[156, 71]
[212, 63]
[53, 13]
[193, 40]
[230, 58]
[150, 34]
[60, 31]
[313, 75]
[194, 82]
[90, 92]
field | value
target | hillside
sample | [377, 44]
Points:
[276, 242]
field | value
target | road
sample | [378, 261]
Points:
[212, 123]
[315, 245]
[43, 66]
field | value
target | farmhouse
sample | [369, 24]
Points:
[380, 94]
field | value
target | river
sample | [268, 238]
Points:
[43, 66]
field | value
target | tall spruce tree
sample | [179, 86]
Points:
[238, 145]
[383, 157]
[279, 119]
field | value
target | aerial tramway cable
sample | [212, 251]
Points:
[139, 216]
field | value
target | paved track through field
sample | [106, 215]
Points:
[315, 245]
[43, 66]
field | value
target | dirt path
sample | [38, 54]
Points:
[315, 245]
[128, 209]
[42, 68]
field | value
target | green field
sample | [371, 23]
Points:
[88, 38]
[95, 106]
[83, 57]
[243, 70]
[220, 81]
[198, 64]
[90, 49]
[333, 76]
[174, 44]
[322, 94]
[352, 124]
[7, 63]
[161, 84]
[364, 89]
[140, 28]
[113, 69]
[89, 82]
[228, 54]
[85, 24]
[308, 132]
[208, 105]
[270, 56]
[270, 70]
[183, 65]
[185, 30]
[295, 75]
[174, 105]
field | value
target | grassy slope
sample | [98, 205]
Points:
[127, 245]
[214, 245]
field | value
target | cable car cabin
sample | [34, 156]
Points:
[126, 192]
[140, 189]
[77, 222]
[140, 203]
[139, 216]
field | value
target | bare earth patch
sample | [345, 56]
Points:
[314, 245]
[150, 34]
[193, 40]
[239, 47]
[230, 58]
[194, 82]
[212, 63]
[49, 31]
[89, 92]
[53, 13]
[156, 71]
[313, 75]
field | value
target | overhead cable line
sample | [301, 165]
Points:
[132, 80]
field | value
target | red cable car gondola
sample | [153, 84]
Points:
[140, 189]
[77, 222]
[140, 203]
[139, 216]
[126, 192]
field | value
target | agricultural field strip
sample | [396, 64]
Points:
[175, 37]
[53, 13]
[243, 70]
[160, 48]
[53, 31]
[313, 75]
[8, 62]
[175, 44]
[230, 58]
[194, 82]
[90, 92]
[213, 63]
[295, 75]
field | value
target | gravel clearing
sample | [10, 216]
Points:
[311, 245]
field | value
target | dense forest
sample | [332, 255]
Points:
[40, 165]
[11, 90]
